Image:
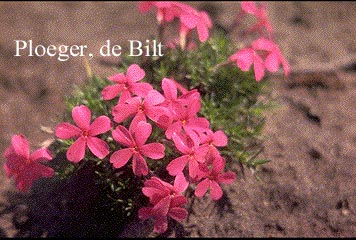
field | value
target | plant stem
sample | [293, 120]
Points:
[219, 65]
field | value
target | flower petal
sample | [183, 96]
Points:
[139, 165]
[218, 164]
[193, 168]
[203, 32]
[220, 139]
[215, 191]
[135, 73]
[194, 107]
[155, 112]
[264, 44]
[198, 124]
[189, 20]
[41, 154]
[81, 116]
[145, 6]
[21, 146]
[43, 171]
[285, 65]
[141, 89]
[227, 177]
[100, 125]
[76, 151]
[178, 201]
[98, 147]
[259, 68]
[201, 188]
[123, 136]
[169, 89]
[66, 131]
[110, 92]
[178, 214]
[173, 128]
[154, 98]
[206, 19]
[249, 7]
[161, 224]
[14, 162]
[244, 58]
[180, 183]
[142, 132]
[122, 111]
[118, 78]
[162, 207]
[153, 150]
[181, 142]
[24, 180]
[125, 95]
[177, 165]
[139, 117]
[145, 213]
[272, 62]
[120, 157]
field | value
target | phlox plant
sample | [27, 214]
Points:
[164, 130]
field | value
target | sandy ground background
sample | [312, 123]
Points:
[309, 187]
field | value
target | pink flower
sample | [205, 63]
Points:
[85, 134]
[24, 167]
[134, 139]
[190, 18]
[212, 178]
[166, 11]
[185, 116]
[218, 138]
[193, 154]
[213, 140]
[140, 108]
[260, 14]
[167, 200]
[127, 84]
[246, 57]
[172, 101]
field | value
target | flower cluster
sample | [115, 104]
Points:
[189, 18]
[263, 53]
[175, 111]
[124, 137]
[23, 166]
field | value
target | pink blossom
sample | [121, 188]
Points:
[134, 139]
[140, 108]
[213, 140]
[246, 57]
[166, 11]
[185, 116]
[127, 84]
[172, 101]
[26, 167]
[193, 154]
[218, 138]
[190, 18]
[260, 14]
[212, 179]
[167, 200]
[85, 133]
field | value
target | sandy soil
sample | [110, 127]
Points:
[309, 187]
